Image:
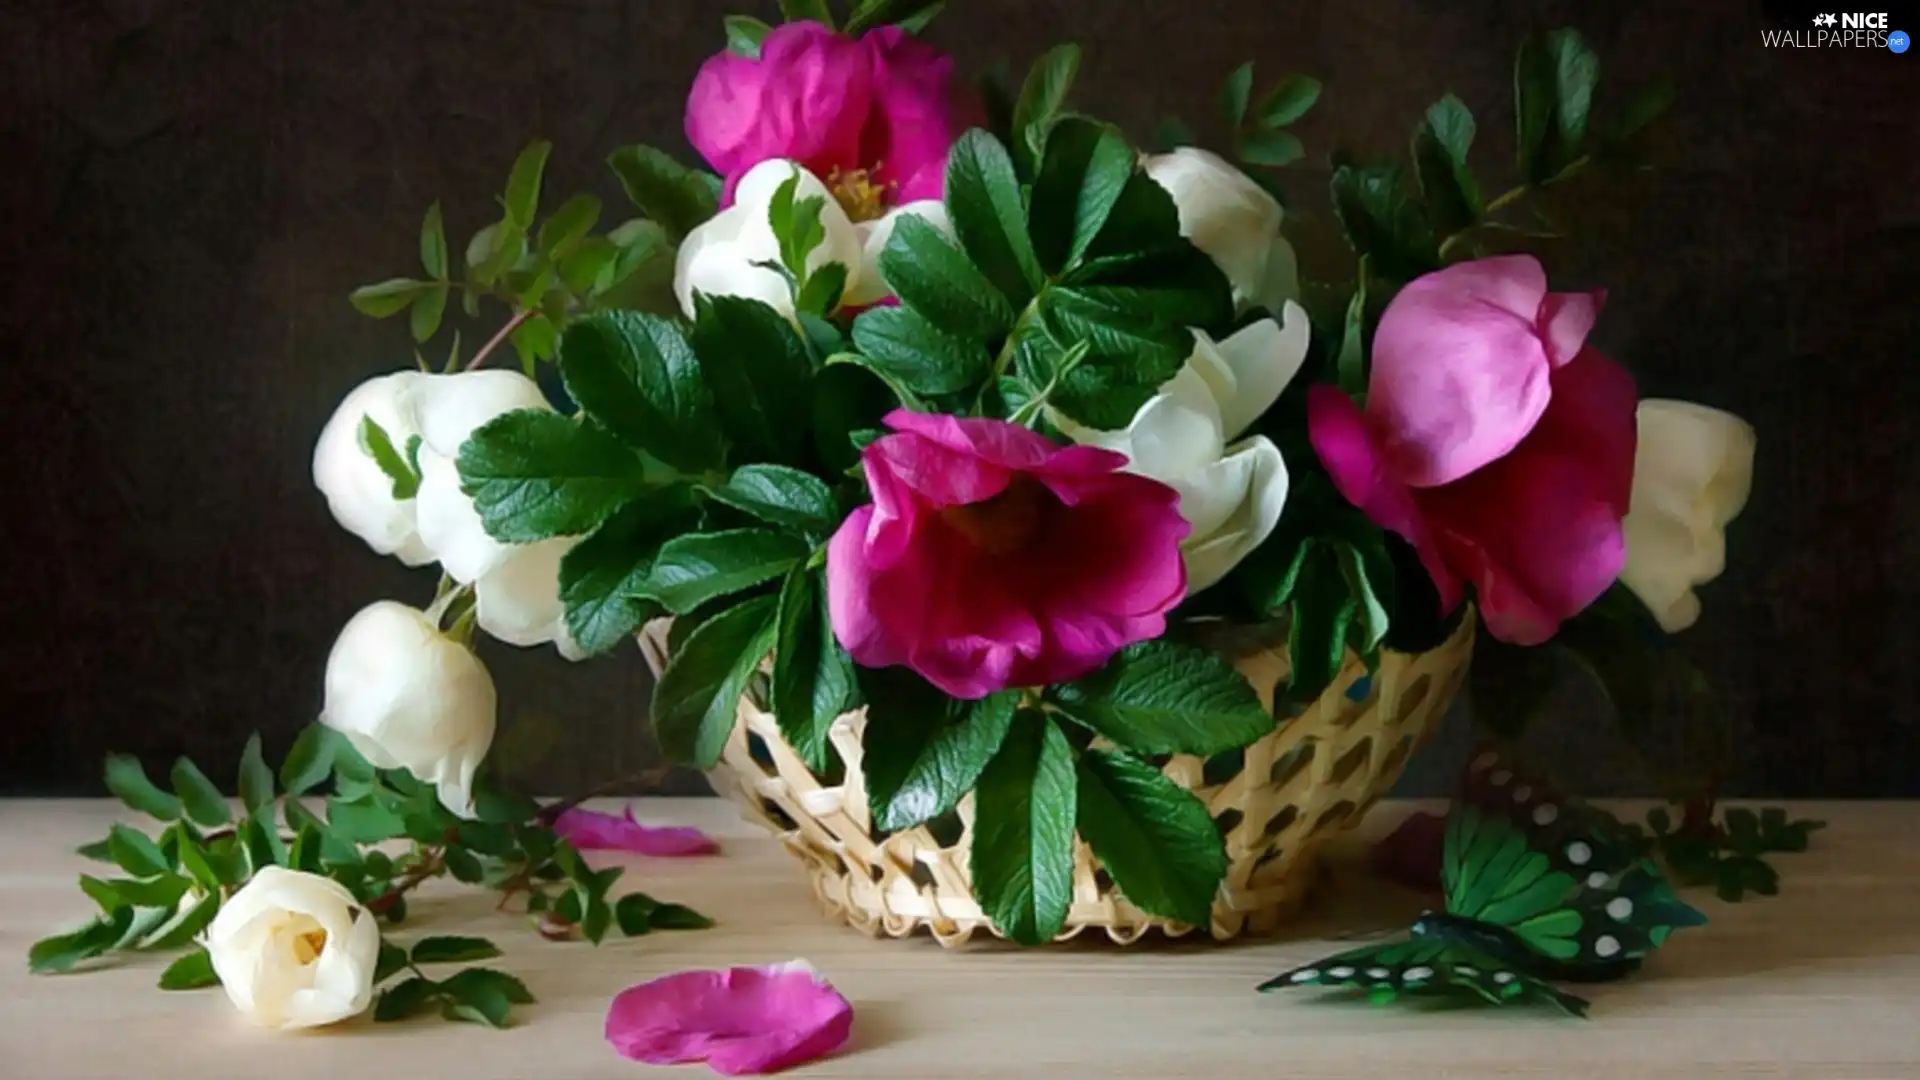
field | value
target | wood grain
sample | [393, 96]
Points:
[1822, 982]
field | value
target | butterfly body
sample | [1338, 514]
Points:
[1537, 888]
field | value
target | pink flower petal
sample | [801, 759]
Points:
[1565, 321]
[589, 830]
[916, 115]
[805, 99]
[743, 1021]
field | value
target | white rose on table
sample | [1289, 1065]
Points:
[409, 697]
[1230, 492]
[1692, 473]
[718, 258]
[294, 950]
[1234, 220]
[358, 493]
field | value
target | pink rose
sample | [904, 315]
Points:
[873, 118]
[992, 558]
[1494, 440]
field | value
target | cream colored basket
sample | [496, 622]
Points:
[1277, 803]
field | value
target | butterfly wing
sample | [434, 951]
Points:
[1431, 967]
[1563, 876]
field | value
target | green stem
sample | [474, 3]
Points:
[1514, 195]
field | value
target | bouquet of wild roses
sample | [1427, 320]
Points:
[965, 410]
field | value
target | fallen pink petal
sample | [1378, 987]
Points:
[590, 830]
[743, 1021]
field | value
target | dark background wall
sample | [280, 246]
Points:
[191, 188]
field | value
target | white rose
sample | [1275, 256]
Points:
[718, 258]
[294, 950]
[409, 697]
[1232, 495]
[357, 492]
[1234, 220]
[1692, 472]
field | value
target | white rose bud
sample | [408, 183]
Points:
[1234, 220]
[358, 493]
[294, 950]
[1692, 473]
[446, 409]
[409, 697]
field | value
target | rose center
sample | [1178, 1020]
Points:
[1003, 524]
[308, 946]
[859, 194]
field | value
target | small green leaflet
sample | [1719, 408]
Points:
[1160, 697]
[695, 700]
[922, 750]
[403, 470]
[535, 475]
[699, 567]
[813, 678]
[1152, 835]
[1022, 854]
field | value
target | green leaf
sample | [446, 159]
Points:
[309, 761]
[910, 15]
[812, 677]
[678, 198]
[633, 913]
[759, 372]
[534, 475]
[534, 341]
[64, 951]
[1647, 106]
[822, 293]
[1288, 101]
[1368, 573]
[983, 200]
[392, 961]
[191, 972]
[464, 867]
[404, 1000]
[1235, 92]
[101, 893]
[1440, 146]
[1382, 222]
[923, 750]
[462, 983]
[453, 950]
[596, 919]
[363, 821]
[695, 699]
[1576, 71]
[1085, 171]
[806, 11]
[1159, 697]
[601, 577]
[1152, 835]
[569, 225]
[256, 780]
[782, 496]
[902, 346]
[1534, 91]
[388, 298]
[523, 184]
[197, 918]
[159, 892]
[796, 224]
[378, 445]
[433, 244]
[677, 917]
[129, 783]
[1322, 609]
[132, 851]
[942, 283]
[637, 375]
[1041, 98]
[97, 851]
[1272, 148]
[1349, 364]
[1022, 853]
[694, 569]
[203, 802]
[744, 35]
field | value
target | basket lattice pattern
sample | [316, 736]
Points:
[1277, 803]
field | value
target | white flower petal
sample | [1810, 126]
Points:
[1209, 558]
[1693, 473]
[358, 493]
[1177, 433]
[1264, 357]
[720, 231]
[864, 283]
[1231, 218]
[294, 950]
[451, 527]
[518, 602]
[445, 409]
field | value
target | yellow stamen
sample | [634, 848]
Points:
[859, 194]
[307, 947]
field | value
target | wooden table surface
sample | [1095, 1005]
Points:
[1823, 981]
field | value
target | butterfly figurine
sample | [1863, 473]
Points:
[1538, 888]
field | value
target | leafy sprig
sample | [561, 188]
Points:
[1731, 854]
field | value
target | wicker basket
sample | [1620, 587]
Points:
[1277, 802]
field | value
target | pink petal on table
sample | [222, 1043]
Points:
[1410, 854]
[742, 1021]
[590, 830]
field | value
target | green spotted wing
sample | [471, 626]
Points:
[1428, 966]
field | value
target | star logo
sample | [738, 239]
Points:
[1824, 20]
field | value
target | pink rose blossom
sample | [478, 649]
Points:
[878, 113]
[1494, 440]
[992, 558]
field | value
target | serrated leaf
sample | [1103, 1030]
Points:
[378, 445]
[1235, 92]
[404, 1000]
[129, 783]
[387, 298]
[462, 983]
[1160, 697]
[158, 892]
[563, 232]
[453, 950]
[64, 951]
[363, 822]
[189, 926]
[679, 199]
[535, 475]
[1382, 222]
[1042, 97]
[1152, 835]
[983, 200]
[812, 677]
[309, 761]
[134, 852]
[759, 373]
[782, 496]
[602, 576]
[905, 348]
[1440, 146]
[1272, 148]
[1024, 815]
[523, 183]
[633, 914]
[639, 378]
[1288, 101]
[1081, 179]
[1576, 71]
[698, 568]
[464, 867]
[203, 802]
[695, 698]
[942, 284]
[256, 780]
[922, 750]
[191, 972]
